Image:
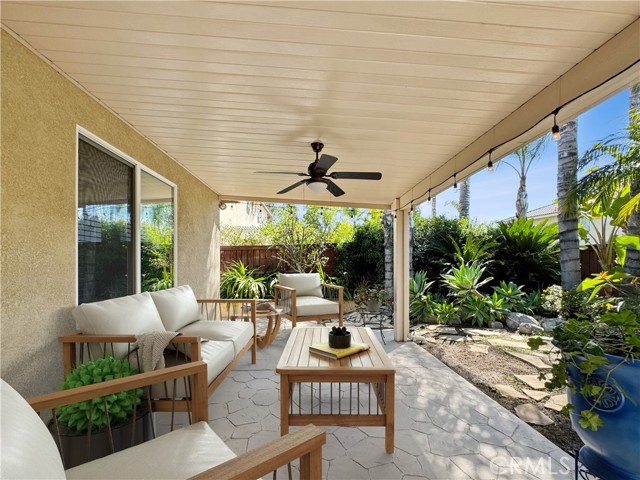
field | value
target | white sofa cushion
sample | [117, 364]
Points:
[237, 332]
[128, 315]
[311, 306]
[306, 284]
[177, 307]
[28, 449]
[180, 454]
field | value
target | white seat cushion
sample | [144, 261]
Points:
[180, 454]
[306, 284]
[128, 315]
[28, 449]
[311, 306]
[237, 332]
[177, 307]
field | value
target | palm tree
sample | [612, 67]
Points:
[465, 197]
[387, 224]
[434, 211]
[567, 206]
[525, 157]
[604, 183]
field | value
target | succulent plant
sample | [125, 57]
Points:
[120, 405]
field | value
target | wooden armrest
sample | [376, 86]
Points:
[197, 369]
[335, 287]
[281, 287]
[305, 444]
[250, 301]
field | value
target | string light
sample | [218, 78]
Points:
[490, 163]
[555, 133]
[555, 130]
[429, 198]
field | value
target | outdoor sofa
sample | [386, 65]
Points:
[218, 332]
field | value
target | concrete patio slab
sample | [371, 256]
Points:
[446, 428]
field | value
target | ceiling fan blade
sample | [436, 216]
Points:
[335, 190]
[286, 173]
[356, 175]
[325, 162]
[291, 187]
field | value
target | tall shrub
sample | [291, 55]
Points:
[526, 254]
[362, 259]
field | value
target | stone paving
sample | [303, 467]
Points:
[446, 429]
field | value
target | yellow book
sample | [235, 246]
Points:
[336, 353]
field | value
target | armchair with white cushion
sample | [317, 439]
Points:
[29, 450]
[302, 297]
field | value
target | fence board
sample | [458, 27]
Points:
[589, 263]
[264, 257]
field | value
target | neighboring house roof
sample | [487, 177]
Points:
[546, 211]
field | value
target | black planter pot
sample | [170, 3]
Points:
[340, 341]
[77, 450]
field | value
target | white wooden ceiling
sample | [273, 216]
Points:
[397, 87]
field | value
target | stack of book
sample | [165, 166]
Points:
[337, 353]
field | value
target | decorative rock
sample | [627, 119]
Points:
[548, 324]
[452, 338]
[531, 414]
[508, 391]
[535, 394]
[533, 381]
[557, 402]
[508, 343]
[447, 331]
[529, 328]
[514, 319]
[456, 321]
[482, 333]
[496, 325]
[530, 359]
[419, 339]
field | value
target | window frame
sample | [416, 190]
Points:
[138, 167]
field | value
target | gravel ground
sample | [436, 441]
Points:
[496, 367]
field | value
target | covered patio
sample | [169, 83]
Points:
[205, 94]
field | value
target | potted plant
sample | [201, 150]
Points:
[600, 366]
[371, 296]
[86, 428]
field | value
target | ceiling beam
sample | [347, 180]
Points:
[613, 57]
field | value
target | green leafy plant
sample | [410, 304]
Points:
[466, 279]
[445, 312]
[238, 281]
[482, 310]
[420, 305]
[533, 302]
[513, 296]
[527, 254]
[119, 406]
[584, 344]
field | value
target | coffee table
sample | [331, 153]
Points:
[358, 390]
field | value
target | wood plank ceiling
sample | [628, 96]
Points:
[397, 87]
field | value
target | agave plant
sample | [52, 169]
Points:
[420, 305]
[514, 297]
[466, 279]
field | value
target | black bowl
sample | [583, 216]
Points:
[340, 341]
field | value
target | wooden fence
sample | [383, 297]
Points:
[264, 257]
[589, 263]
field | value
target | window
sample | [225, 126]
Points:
[126, 228]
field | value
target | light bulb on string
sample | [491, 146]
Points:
[455, 182]
[429, 197]
[555, 130]
[490, 163]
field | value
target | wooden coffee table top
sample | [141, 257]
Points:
[296, 357]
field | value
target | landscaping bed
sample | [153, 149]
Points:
[496, 367]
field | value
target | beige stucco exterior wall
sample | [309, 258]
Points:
[40, 112]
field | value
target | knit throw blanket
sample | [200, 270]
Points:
[151, 346]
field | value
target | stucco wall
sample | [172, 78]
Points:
[40, 111]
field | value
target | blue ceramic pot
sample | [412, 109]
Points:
[613, 451]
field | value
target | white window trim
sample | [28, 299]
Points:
[138, 168]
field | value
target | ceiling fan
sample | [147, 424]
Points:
[319, 179]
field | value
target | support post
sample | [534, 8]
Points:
[401, 258]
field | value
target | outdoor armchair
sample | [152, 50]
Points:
[29, 450]
[302, 297]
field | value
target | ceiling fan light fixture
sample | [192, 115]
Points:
[317, 186]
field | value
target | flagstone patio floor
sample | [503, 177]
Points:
[445, 428]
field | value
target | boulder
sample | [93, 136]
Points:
[548, 324]
[514, 319]
[496, 325]
[529, 328]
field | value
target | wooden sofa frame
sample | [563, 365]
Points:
[286, 297]
[305, 444]
[210, 309]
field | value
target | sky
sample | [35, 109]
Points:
[493, 194]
